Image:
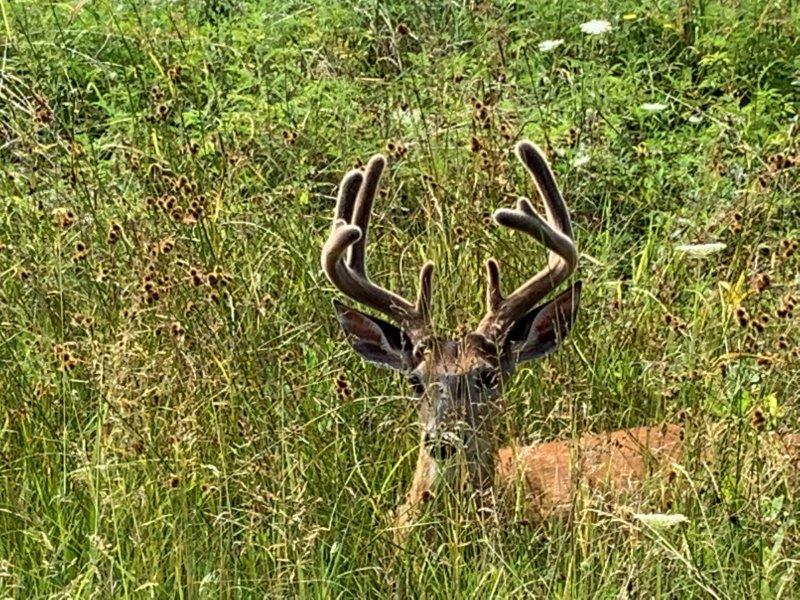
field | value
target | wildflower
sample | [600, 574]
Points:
[182, 183]
[700, 250]
[166, 245]
[549, 45]
[762, 282]
[765, 361]
[654, 106]
[80, 246]
[197, 277]
[63, 217]
[66, 359]
[114, 232]
[758, 418]
[174, 73]
[289, 137]
[596, 27]
[343, 387]
[660, 520]
[81, 251]
[741, 315]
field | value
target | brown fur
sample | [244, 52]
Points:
[608, 464]
[617, 461]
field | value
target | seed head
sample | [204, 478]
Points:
[114, 232]
[166, 245]
[758, 419]
[63, 217]
[762, 282]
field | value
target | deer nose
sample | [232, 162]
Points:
[442, 445]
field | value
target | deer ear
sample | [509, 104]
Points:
[374, 339]
[541, 330]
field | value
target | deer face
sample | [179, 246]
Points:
[457, 381]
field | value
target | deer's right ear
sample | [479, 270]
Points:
[374, 339]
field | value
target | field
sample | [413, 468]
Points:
[181, 415]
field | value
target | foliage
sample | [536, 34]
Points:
[180, 414]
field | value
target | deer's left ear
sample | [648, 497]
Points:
[374, 339]
[541, 330]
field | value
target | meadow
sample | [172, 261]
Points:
[180, 415]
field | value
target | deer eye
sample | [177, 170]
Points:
[489, 379]
[416, 382]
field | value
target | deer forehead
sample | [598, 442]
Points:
[457, 357]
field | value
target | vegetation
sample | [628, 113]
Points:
[181, 416]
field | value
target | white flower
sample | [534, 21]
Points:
[654, 106]
[661, 520]
[549, 45]
[580, 160]
[700, 250]
[596, 27]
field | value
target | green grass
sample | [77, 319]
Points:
[169, 434]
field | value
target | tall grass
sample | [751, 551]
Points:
[171, 425]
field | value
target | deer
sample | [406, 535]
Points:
[458, 381]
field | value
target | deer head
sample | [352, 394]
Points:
[458, 381]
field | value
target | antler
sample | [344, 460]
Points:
[555, 234]
[349, 237]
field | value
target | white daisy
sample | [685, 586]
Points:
[596, 27]
[549, 45]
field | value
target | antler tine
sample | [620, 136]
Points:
[363, 210]
[349, 237]
[555, 233]
[534, 160]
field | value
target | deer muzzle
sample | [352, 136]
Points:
[443, 444]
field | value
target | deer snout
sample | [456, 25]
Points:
[442, 444]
